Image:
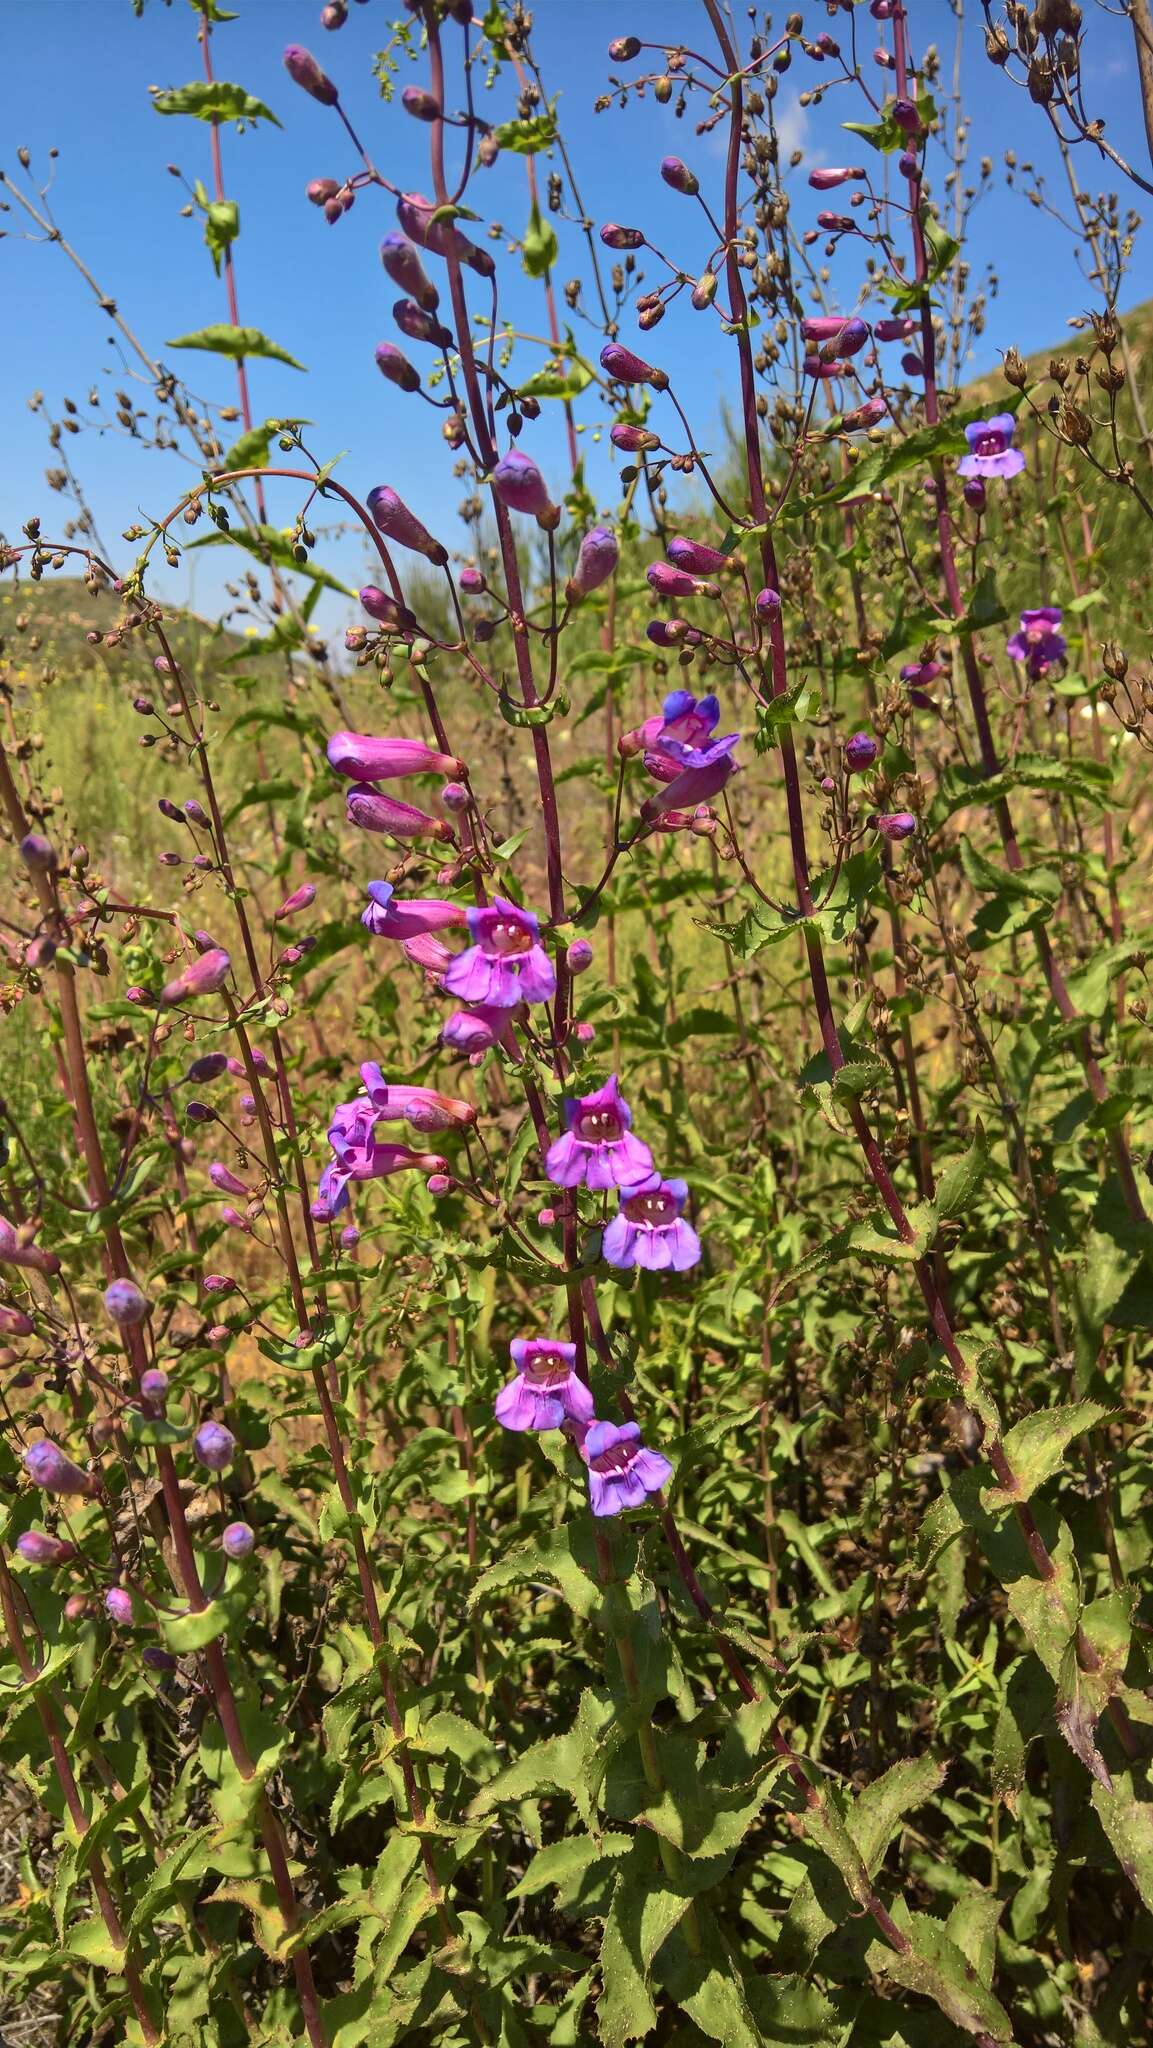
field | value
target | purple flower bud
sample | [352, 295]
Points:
[616, 237]
[768, 604]
[154, 1385]
[672, 633]
[37, 853]
[300, 899]
[397, 523]
[233, 1219]
[14, 1322]
[825, 180]
[456, 796]
[695, 557]
[375, 812]
[214, 1446]
[471, 580]
[118, 1605]
[200, 1112]
[896, 824]
[579, 956]
[443, 237]
[197, 813]
[678, 177]
[632, 440]
[420, 104]
[905, 115]
[626, 368]
[669, 581]
[318, 190]
[586, 1033]
[223, 1178]
[897, 329]
[368, 759]
[168, 809]
[519, 484]
[597, 557]
[386, 610]
[839, 337]
[144, 706]
[126, 1304]
[867, 415]
[623, 49]
[350, 1237]
[861, 750]
[218, 1283]
[158, 1659]
[304, 71]
[394, 364]
[17, 1249]
[238, 1540]
[136, 994]
[404, 267]
[50, 1467]
[439, 1183]
[419, 325]
[208, 1067]
[35, 1546]
[203, 977]
[973, 492]
[837, 223]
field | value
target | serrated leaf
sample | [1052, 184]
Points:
[961, 1179]
[855, 1844]
[1036, 1446]
[1125, 1811]
[936, 1968]
[223, 340]
[218, 100]
[645, 1909]
[540, 247]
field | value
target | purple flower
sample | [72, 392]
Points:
[506, 963]
[896, 824]
[392, 363]
[424, 1108]
[704, 774]
[404, 267]
[596, 559]
[300, 899]
[214, 1446]
[626, 368]
[304, 70]
[861, 750]
[519, 484]
[622, 1472]
[474, 1031]
[393, 518]
[650, 1231]
[546, 1390]
[598, 1150]
[682, 737]
[228, 1183]
[1037, 641]
[204, 977]
[991, 452]
[669, 581]
[366, 759]
[360, 1155]
[374, 812]
[388, 918]
[632, 440]
[898, 329]
[51, 1468]
[126, 1303]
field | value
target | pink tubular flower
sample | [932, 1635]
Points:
[53, 1470]
[826, 180]
[598, 1149]
[387, 917]
[203, 977]
[374, 812]
[360, 1155]
[386, 610]
[695, 557]
[622, 1471]
[669, 581]
[546, 1390]
[365, 759]
[681, 737]
[506, 963]
[15, 1250]
[228, 1183]
[991, 450]
[404, 267]
[704, 778]
[626, 368]
[304, 71]
[424, 1108]
[922, 673]
[474, 1031]
[1037, 642]
[443, 237]
[300, 899]
[897, 329]
[650, 1231]
[427, 951]
[596, 559]
[519, 484]
[392, 516]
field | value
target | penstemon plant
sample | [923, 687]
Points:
[520, 1541]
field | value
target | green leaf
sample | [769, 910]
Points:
[887, 134]
[645, 1909]
[222, 340]
[528, 136]
[937, 1968]
[184, 1632]
[569, 381]
[221, 227]
[253, 450]
[153, 1429]
[566, 1557]
[566, 1863]
[540, 247]
[215, 101]
[269, 546]
[1125, 1811]
[855, 1845]
[893, 457]
[573, 1763]
[1036, 1446]
[962, 1177]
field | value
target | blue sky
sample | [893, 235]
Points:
[77, 74]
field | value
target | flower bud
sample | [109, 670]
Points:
[904, 113]
[238, 1540]
[397, 523]
[368, 759]
[200, 1112]
[154, 1385]
[17, 1249]
[374, 812]
[861, 750]
[867, 415]
[394, 364]
[419, 325]
[386, 610]
[208, 1067]
[672, 633]
[579, 956]
[422, 105]
[300, 899]
[519, 484]
[439, 1183]
[695, 557]
[50, 1468]
[455, 796]
[704, 291]
[623, 49]
[118, 1606]
[203, 977]
[896, 824]
[158, 1659]
[214, 1446]
[898, 329]
[669, 581]
[223, 1178]
[585, 1033]
[304, 71]
[678, 177]
[14, 1322]
[973, 492]
[35, 1546]
[404, 267]
[443, 237]
[626, 368]
[632, 440]
[768, 604]
[218, 1283]
[319, 189]
[825, 180]
[615, 237]
[597, 558]
[37, 853]
[473, 1031]
[126, 1304]
[546, 1218]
